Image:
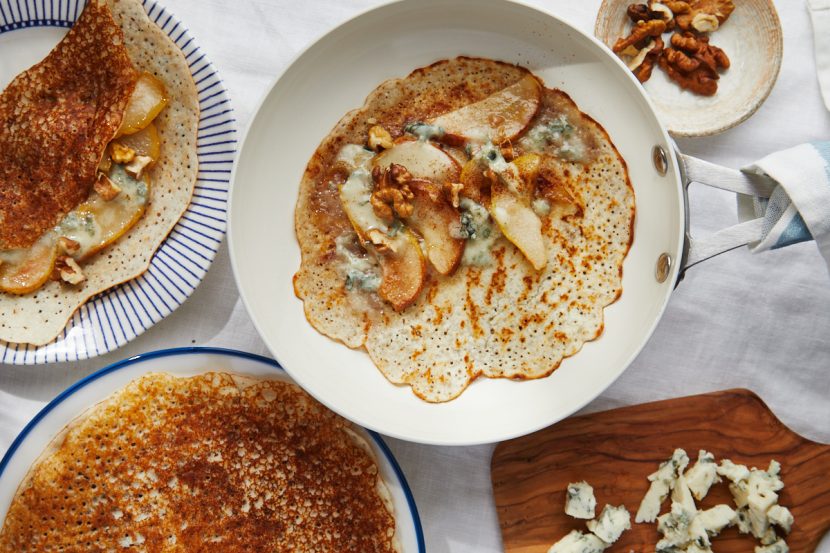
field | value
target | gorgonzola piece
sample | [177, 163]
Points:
[702, 475]
[612, 522]
[681, 494]
[769, 537]
[755, 495]
[580, 501]
[662, 481]
[733, 472]
[758, 503]
[742, 520]
[577, 542]
[717, 518]
[675, 526]
[650, 506]
[352, 157]
[479, 231]
[781, 517]
[778, 547]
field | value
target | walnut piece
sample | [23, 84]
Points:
[644, 69]
[640, 33]
[68, 246]
[687, 42]
[681, 61]
[699, 48]
[638, 12]
[120, 153]
[453, 192]
[379, 139]
[719, 9]
[69, 270]
[705, 23]
[658, 10]
[392, 195]
[136, 167]
[652, 10]
[105, 165]
[105, 188]
[700, 81]
[678, 7]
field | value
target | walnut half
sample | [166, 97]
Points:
[69, 270]
[392, 195]
[643, 61]
[105, 188]
[379, 139]
[705, 16]
[641, 32]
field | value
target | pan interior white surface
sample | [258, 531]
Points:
[182, 363]
[333, 76]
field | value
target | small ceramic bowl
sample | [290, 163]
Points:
[752, 39]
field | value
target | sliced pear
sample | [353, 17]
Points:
[433, 217]
[518, 222]
[145, 142]
[458, 154]
[355, 198]
[403, 268]
[528, 166]
[148, 99]
[25, 271]
[402, 264]
[474, 180]
[97, 223]
[115, 217]
[423, 160]
[499, 117]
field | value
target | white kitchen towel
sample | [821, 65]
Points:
[820, 14]
[799, 207]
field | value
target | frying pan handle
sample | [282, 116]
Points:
[692, 170]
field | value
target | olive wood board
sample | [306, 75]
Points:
[616, 450]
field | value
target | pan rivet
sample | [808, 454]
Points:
[663, 267]
[661, 162]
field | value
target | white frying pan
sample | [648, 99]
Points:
[334, 76]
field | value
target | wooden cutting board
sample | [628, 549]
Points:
[616, 450]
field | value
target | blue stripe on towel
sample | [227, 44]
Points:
[795, 232]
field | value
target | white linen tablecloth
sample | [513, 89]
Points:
[739, 320]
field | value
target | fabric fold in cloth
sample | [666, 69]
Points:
[799, 207]
[820, 16]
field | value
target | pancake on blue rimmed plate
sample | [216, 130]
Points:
[97, 163]
[465, 222]
[214, 462]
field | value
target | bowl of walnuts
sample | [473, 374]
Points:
[707, 65]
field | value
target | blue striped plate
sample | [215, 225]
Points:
[116, 316]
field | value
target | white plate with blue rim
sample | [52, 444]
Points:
[183, 362]
[29, 29]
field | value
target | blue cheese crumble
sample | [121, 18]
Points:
[580, 501]
[662, 481]
[577, 542]
[612, 522]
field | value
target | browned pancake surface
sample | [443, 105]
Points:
[56, 118]
[208, 463]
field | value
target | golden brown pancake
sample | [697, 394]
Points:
[499, 319]
[55, 121]
[210, 463]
